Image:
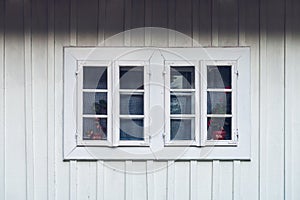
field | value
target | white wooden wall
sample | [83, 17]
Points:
[32, 36]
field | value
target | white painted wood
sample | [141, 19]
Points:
[39, 50]
[51, 103]
[249, 20]
[62, 38]
[171, 180]
[138, 175]
[226, 181]
[28, 103]
[182, 180]
[157, 180]
[15, 148]
[236, 179]
[73, 180]
[128, 178]
[204, 179]
[87, 23]
[292, 125]
[114, 23]
[87, 180]
[2, 101]
[215, 191]
[183, 23]
[272, 101]
[194, 188]
[114, 178]
[100, 180]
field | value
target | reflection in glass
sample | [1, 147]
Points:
[94, 103]
[218, 102]
[94, 77]
[182, 129]
[94, 128]
[218, 128]
[182, 77]
[131, 129]
[132, 77]
[219, 77]
[131, 104]
[182, 103]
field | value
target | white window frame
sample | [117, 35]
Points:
[114, 149]
[116, 95]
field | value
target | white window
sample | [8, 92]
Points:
[157, 103]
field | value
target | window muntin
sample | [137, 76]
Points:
[182, 103]
[219, 92]
[132, 102]
[94, 101]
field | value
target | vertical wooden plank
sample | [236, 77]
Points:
[159, 19]
[51, 103]
[272, 97]
[62, 38]
[205, 22]
[87, 180]
[2, 101]
[228, 22]
[127, 22]
[128, 180]
[226, 177]
[114, 23]
[150, 180]
[73, 22]
[101, 22]
[139, 180]
[183, 23]
[39, 96]
[292, 95]
[157, 180]
[249, 36]
[215, 195]
[201, 19]
[137, 21]
[171, 180]
[148, 22]
[182, 180]
[73, 180]
[15, 152]
[87, 23]
[236, 179]
[215, 23]
[114, 178]
[194, 180]
[205, 180]
[100, 180]
[28, 102]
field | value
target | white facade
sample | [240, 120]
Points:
[32, 37]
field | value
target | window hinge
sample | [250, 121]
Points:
[76, 136]
[237, 73]
[164, 73]
[237, 134]
[76, 73]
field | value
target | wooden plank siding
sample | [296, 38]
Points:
[32, 36]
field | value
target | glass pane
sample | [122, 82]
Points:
[219, 77]
[132, 104]
[182, 129]
[182, 77]
[94, 128]
[131, 129]
[219, 128]
[131, 77]
[94, 77]
[219, 103]
[95, 103]
[182, 103]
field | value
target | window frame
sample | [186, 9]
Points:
[112, 150]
